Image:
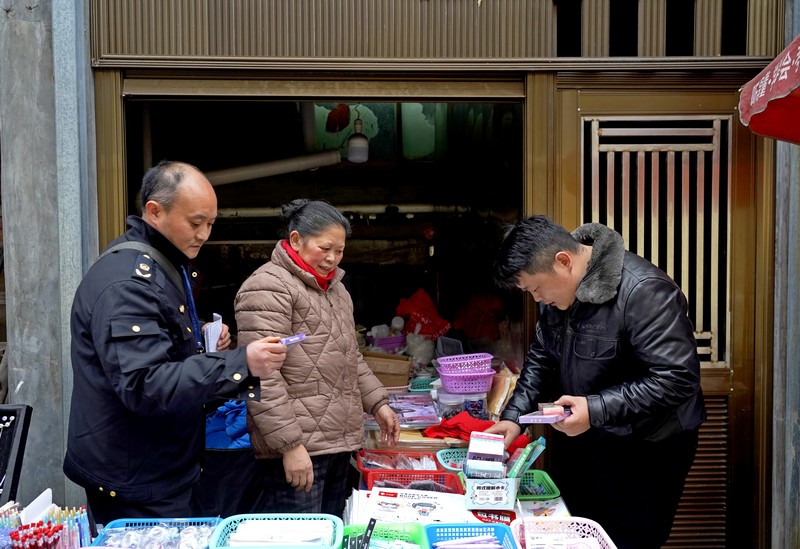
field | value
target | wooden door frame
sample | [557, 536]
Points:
[747, 381]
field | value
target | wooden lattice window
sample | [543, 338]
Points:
[663, 184]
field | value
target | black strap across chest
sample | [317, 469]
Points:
[157, 256]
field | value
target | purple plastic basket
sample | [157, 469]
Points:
[471, 373]
[389, 344]
[467, 382]
[469, 362]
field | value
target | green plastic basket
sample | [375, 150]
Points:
[537, 485]
[408, 532]
[422, 384]
[452, 458]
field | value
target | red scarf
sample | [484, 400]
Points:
[323, 281]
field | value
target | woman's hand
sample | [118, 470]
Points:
[298, 468]
[389, 424]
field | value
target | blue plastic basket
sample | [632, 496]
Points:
[452, 459]
[447, 532]
[222, 533]
[143, 525]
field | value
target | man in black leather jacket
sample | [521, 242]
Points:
[137, 423]
[614, 343]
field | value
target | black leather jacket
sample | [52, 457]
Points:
[626, 344]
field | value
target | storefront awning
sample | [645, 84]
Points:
[769, 104]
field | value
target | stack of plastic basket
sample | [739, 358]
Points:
[560, 532]
[470, 373]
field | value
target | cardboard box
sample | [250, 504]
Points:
[486, 446]
[496, 493]
[392, 370]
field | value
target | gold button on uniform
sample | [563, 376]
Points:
[251, 395]
[237, 377]
[112, 493]
[136, 328]
[181, 309]
[188, 329]
[100, 488]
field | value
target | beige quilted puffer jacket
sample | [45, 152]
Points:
[319, 395]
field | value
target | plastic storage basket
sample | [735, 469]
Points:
[389, 344]
[278, 522]
[432, 481]
[539, 531]
[394, 458]
[472, 373]
[537, 485]
[408, 532]
[466, 382]
[422, 384]
[452, 459]
[437, 533]
[474, 361]
[174, 526]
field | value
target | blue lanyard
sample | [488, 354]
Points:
[198, 337]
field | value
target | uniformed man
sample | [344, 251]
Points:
[136, 424]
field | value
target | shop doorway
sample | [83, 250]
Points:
[427, 206]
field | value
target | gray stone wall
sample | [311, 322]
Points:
[45, 152]
[30, 222]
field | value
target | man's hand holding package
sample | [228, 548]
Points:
[508, 429]
[578, 421]
[265, 356]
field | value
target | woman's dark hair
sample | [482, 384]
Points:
[160, 183]
[312, 217]
[530, 246]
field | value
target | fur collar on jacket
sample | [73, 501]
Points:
[604, 271]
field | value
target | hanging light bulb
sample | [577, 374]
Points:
[357, 144]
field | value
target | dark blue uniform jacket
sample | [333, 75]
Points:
[136, 424]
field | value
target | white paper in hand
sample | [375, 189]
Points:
[212, 333]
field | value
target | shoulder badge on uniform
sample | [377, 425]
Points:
[143, 267]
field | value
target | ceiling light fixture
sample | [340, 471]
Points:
[357, 143]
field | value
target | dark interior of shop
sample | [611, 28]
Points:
[427, 206]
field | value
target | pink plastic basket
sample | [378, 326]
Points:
[475, 361]
[470, 373]
[559, 531]
[467, 382]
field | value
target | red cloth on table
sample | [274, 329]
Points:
[462, 425]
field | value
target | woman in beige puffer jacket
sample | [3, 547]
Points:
[310, 415]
